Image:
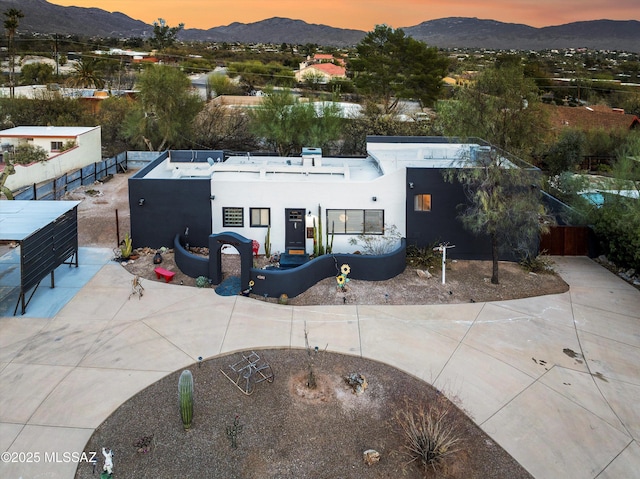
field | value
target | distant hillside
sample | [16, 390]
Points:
[473, 32]
[277, 30]
[41, 16]
[44, 17]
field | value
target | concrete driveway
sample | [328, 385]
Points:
[555, 380]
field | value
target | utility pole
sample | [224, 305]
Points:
[57, 55]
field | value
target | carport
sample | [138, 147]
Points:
[47, 233]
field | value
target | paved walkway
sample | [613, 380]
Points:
[555, 380]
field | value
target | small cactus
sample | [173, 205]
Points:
[185, 390]
[267, 243]
[202, 281]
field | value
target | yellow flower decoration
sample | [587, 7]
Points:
[251, 283]
[345, 269]
[340, 280]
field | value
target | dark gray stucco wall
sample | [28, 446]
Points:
[169, 207]
[441, 224]
[292, 282]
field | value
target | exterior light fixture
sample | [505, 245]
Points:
[212, 197]
[141, 202]
[411, 185]
[374, 198]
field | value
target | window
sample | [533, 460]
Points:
[355, 222]
[232, 217]
[56, 146]
[422, 203]
[260, 217]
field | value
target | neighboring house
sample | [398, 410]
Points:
[84, 147]
[320, 72]
[591, 118]
[400, 183]
[325, 58]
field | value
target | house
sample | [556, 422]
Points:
[399, 183]
[323, 72]
[588, 118]
[68, 148]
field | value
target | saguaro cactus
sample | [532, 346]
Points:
[185, 391]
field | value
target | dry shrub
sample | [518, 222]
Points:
[433, 438]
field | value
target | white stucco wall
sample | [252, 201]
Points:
[88, 150]
[307, 193]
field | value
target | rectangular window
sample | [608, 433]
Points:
[56, 146]
[232, 217]
[260, 217]
[422, 203]
[355, 222]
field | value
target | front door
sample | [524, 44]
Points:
[295, 228]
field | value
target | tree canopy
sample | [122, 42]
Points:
[254, 73]
[503, 203]
[11, 22]
[501, 107]
[163, 35]
[288, 125]
[391, 66]
[166, 108]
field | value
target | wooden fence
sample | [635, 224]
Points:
[567, 241]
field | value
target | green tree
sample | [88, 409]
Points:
[254, 73]
[501, 107]
[373, 121]
[36, 74]
[166, 108]
[86, 74]
[391, 66]
[22, 155]
[164, 36]
[221, 128]
[288, 125]
[12, 20]
[218, 84]
[503, 203]
[617, 222]
[48, 109]
[566, 154]
[111, 118]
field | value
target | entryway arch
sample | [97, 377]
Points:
[239, 242]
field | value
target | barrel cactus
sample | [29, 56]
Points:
[185, 390]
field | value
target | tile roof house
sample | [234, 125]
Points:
[591, 118]
[327, 71]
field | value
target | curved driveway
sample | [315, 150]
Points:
[555, 380]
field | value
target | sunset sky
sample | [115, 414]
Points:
[364, 14]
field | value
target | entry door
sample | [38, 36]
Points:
[295, 228]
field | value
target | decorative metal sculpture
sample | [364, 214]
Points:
[248, 372]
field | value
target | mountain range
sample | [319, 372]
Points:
[43, 17]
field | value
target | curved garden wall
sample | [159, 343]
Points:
[292, 282]
[189, 264]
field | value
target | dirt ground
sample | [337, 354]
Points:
[285, 429]
[466, 281]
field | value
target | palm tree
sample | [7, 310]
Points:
[13, 16]
[85, 74]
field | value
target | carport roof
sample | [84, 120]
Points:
[20, 219]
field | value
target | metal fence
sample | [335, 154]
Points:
[56, 188]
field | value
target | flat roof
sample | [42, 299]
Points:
[20, 219]
[35, 131]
